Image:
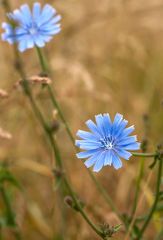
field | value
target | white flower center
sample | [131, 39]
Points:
[33, 30]
[109, 145]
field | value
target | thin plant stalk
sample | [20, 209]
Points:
[82, 212]
[45, 69]
[148, 155]
[138, 183]
[10, 213]
[153, 208]
[130, 227]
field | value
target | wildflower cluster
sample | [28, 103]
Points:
[104, 144]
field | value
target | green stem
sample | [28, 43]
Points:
[155, 201]
[10, 213]
[45, 127]
[150, 155]
[82, 212]
[138, 182]
[106, 196]
[42, 60]
[45, 69]
[60, 112]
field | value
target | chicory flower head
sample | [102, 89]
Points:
[31, 28]
[107, 142]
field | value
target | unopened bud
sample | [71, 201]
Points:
[58, 173]
[108, 230]
[69, 201]
[54, 126]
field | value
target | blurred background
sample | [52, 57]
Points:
[108, 58]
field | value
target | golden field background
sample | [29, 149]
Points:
[108, 58]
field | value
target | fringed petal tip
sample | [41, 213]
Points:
[77, 143]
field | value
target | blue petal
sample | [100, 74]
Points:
[87, 145]
[26, 13]
[120, 128]
[87, 154]
[123, 153]
[51, 23]
[20, 33]
[25, 43]
[16, 16]
[128, 131]
[39, 41]
[132, 146]
[36, 10]
[86, 135]
[107, 158]
[116, 161]
[53, 31]
[9, 34]
[30, 43]
[117, 119]
[100, 124]
[99, 163]
[107, 123]
[92, 126]
[126, 140]
[56, 19]
[47, 13]
[6, 37]
[92, 160]
[22, 45]
[49, 27]
[7, 27]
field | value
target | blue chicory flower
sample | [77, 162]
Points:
[31, 28]
[107, 142]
